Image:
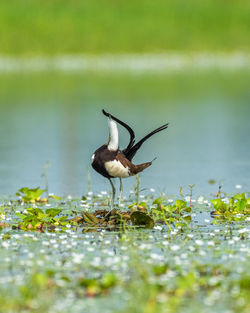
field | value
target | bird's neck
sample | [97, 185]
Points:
[113, 134]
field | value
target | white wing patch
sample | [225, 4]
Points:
[116, 169]
[93, 157]
[114, 137]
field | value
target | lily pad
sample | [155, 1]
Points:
[139, 218]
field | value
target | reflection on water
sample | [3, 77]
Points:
[57, 117]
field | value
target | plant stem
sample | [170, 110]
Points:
[137, 188]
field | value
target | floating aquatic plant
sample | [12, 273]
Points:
[81, 250]
[236, 207]
[178, 212]
[30, 194]
[36, 218]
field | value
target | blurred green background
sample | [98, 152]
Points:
[51, 106]
[100, 26]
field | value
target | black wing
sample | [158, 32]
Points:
[130, 130]
[132, 151]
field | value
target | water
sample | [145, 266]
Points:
[56, 117]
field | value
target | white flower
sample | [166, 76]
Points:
[158, 227]
[165, 243]
[242, 231]
[210, 243]
[175, 247]
[200, 200]
[199, 242]
[5, 244]
[238, 186]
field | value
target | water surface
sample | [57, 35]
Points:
[56, 117]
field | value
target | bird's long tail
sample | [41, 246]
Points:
[140, 167]
[132, 151]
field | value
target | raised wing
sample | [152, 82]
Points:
[130, 153]
[129, 129]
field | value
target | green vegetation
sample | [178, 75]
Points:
[234, 208]
[97, 26]
[30, 194]
[151, 90]
[83, 264]
[36, 218]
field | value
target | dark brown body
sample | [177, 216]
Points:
[103, 156]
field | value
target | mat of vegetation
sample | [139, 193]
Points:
[97, 26]
[162, 254]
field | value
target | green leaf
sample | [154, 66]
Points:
[35, 211]
[6, 236]
[160, 269]
[240, 196]
[180, 204]
[143, 204]
[158, 201]
[21, 216]
[53, 212]
[108, 280]
[142, 219]
[54, 197]
[187, 218]
[187, 209]
[29, 194]
[241, 205]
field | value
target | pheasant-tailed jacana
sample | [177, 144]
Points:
[111, 162]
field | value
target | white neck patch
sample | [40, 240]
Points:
[113, 133]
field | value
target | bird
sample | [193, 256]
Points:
[111, 162]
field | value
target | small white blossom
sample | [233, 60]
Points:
[175, 247]
[243, 230]
[199, 242]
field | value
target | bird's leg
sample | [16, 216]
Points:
[121, 191]
[113, 198]
[113, 194]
